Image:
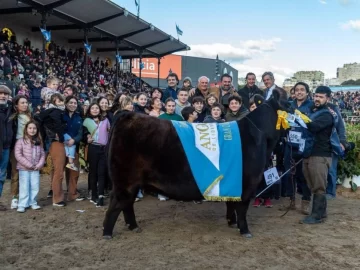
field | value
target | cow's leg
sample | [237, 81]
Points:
[115, 207]
[231, 214]
[241, 211]
[130, 220]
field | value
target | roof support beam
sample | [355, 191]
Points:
[155, 43]
[15, 10]
[133, 33]
[100, 21]
[58, 27]
[57, 4]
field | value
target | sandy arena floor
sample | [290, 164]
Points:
[176, 235]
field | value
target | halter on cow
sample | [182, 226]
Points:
[146, 152]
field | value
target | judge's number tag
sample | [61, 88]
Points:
[271, 176]
[295, 136]
[301, 145]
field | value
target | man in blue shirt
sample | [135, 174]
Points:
[171, 90]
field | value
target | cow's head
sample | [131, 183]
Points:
[277, 103]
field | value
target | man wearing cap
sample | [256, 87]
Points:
[6, 135]
[316, 166]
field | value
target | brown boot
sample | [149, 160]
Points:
[290, 206]
[305, 207]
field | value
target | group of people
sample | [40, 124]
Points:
[49, 123]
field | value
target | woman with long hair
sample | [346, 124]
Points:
[20, 117]
[74, 132]
[96, 132]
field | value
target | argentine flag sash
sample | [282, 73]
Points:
[214, 154]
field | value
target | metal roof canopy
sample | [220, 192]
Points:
[104, 22]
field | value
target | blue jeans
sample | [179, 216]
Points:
[299, 177]
[69, 150]
[332, 177]
[3, 167]
[29, 185]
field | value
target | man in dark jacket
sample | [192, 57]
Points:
[6, 135]
[171, 90]
[249, 90]
[269, 82]
[316, 167]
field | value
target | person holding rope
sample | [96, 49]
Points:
[303, 104]
[316, 165]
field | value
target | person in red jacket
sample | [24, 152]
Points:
[30, 156]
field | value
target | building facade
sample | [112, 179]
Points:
[302, 76]
[348, 72]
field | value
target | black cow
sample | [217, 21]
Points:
[146, 152]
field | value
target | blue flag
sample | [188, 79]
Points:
[87, 48]
[46, 34]
[118, 58]
[141, 65]
[178, 30]
[137, 6]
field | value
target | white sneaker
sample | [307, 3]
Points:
[21, 209]
[162, 198]
[14, 203]
[35, 207]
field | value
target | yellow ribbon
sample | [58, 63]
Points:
[282, 121]
[303, 116]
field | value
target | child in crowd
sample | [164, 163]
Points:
[236, 111]
[51, 88]
[209, 101]
[30, 157]
[215, 117]
[198, 103]
[189, 114]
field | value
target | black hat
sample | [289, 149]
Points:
[323, 90]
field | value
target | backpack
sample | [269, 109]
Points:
[302, 140]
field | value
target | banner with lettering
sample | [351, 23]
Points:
[214, 154]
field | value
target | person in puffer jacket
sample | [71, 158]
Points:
[30, 156]
[52, 85]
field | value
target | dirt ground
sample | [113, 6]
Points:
[177, 235]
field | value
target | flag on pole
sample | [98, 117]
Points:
[178, 30]
[137, 4]
[87, 48]
[46, 34]
[118, 58]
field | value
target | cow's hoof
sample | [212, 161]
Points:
[247, 235]
[107, 237]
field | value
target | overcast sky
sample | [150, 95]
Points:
[283, 36]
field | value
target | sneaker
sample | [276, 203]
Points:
[60, 204]
[14, 203]
[100, 201]
[162, 198]
[137, 199]
[94, 201]
[80, 198]
[21, 209]
[50, 194]
[72, 166]
[140, 195]
[257, 202]
[35, 207]
[268, 203]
